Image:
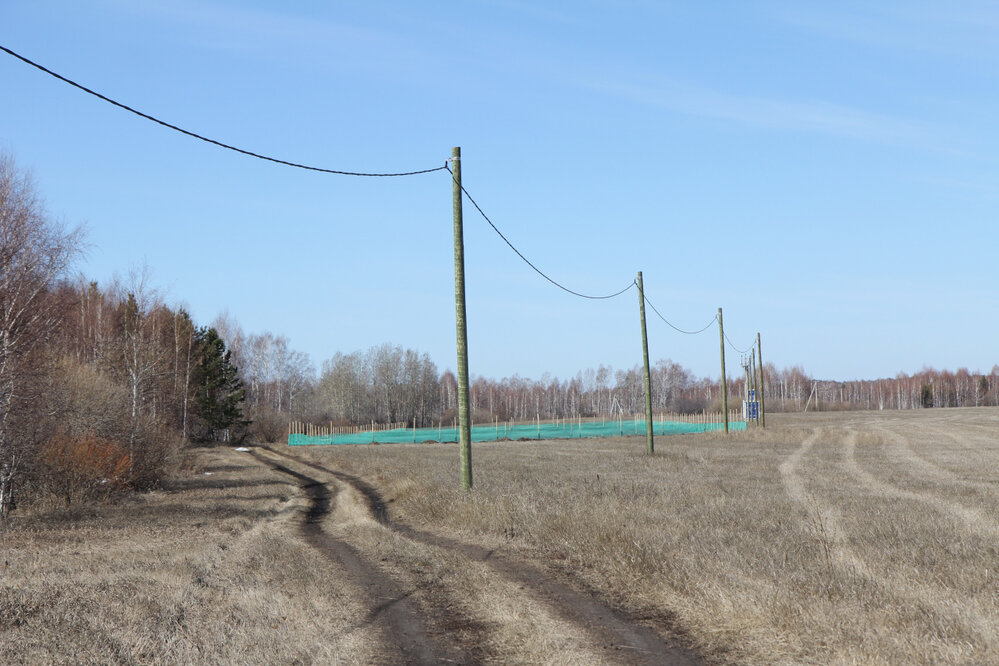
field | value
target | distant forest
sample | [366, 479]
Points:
[388, 384]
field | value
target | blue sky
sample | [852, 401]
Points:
[825, 172]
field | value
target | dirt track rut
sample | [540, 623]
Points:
[617, 637]
[409, 641]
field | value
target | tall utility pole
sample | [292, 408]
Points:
[648, 375]
[464, 420]
[724, 382]
[763, 413]
[756, 391]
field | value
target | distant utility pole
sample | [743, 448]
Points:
[464, 420]
[759, 396]
[648, 375]
[724, 382]
[745, 408]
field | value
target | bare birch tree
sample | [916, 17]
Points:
[34, 251]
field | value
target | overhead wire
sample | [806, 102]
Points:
[526, 260]
[680, 330]
[563, 287]
[297, 165]
[741, 351]
[206, 139]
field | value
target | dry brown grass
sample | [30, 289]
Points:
[221, 569]
[207, 572]
[842, 538]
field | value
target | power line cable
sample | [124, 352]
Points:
[741, 351]
[355, 173]
[204, 138]
[680, 330]
[526, 260]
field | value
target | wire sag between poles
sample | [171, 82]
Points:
[741, 351]
[206, 139]
[528, 262]
[680, 330]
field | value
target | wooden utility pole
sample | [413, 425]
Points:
[464, 420]
[745, 409]
[724, 382]
[648, 375]
[763, 413]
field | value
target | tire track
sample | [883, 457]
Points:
[929, 470]
[826, 523]
[973, 519]
[613, 629]
[970, 434]
[409, 639]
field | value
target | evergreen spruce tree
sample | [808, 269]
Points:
[218, 390]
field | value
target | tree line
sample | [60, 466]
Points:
[99, 385]
[793, 390]
[389, 384]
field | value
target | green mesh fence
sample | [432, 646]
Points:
[491, 433]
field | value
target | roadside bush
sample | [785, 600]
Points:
[267, 425]
[155, 454]
[81, 401]
[83, 467]
[87, 444]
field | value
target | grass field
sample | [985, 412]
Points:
[828, 538]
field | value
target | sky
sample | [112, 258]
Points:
[824, 172]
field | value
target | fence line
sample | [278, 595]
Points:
[332, 430]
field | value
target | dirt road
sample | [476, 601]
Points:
[432, 623]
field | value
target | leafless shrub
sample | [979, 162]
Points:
[87, 424]
[83, 467]
[267, 425]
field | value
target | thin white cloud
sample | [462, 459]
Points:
[537, 11]
[276, 33]
[238, 20]
[777, 114]
[981, 184]
[962, 29]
